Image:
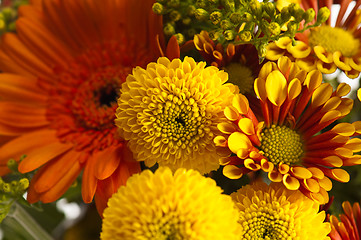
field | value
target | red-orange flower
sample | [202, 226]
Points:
[286, 141]
[62, 72]
[348, 226]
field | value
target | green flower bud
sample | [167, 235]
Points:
[191, 11]
[173, 3]
[8, 14]
[225, 24]
[191, 32]
[201, 14]
[285, 15]
[23, 184]
[247, 17]
[6, 187]
[270, 9]
[262, 50]
[256, 8]
[323, 14]
[236, 18]
[245, 36]
[186, 21]
[174, 16]
[292, 28]
[229, 35]
[274, 28]
[215, 36]
[298, 14]
[201, 3]
[12, 165]
[157, 8]
[215, 17]
[169, 29]
[309, 15]
[214, 2]
[229, 5]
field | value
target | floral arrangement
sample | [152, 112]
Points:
[170, 119]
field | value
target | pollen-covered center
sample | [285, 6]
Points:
[240, 75]
[167, 227]
[281, 144]
[180, 123]
[334, 39]
[267, 221]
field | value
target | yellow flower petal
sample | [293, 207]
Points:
[276, 87]
[341, 62]
[246, 125]
[240, 103]
[294, 88]
[301, 172]
[238, 141]
[321, 94]
[250, 164]
[359, 94]
[232, 172]
[343, 89]
[323, 55]
[226, 127]
[325, 183]
[300, 50]
[312, 185]
[290, 182]
[326, 67]
[231, 113]
[313, 80]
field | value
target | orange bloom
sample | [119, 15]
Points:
[284, 141]
[62, 72]
[327, 47]
[349, 225]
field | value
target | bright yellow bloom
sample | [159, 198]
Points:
[180, 206]
[359, 94]
[284, 140]
[169, 113]
[327, 47]
[274, 212]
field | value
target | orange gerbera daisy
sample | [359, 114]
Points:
[327, 47]
[349, 225]
[62, 72]
[284, 141]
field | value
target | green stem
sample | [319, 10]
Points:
[28, 223]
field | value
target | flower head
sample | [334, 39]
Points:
[349, 225]
[163, 205]
[61, 74]
[274, 212]
[327, 47]
[239, 61]
[169, 113]
[284, 141]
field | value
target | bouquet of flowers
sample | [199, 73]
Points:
[180, 119]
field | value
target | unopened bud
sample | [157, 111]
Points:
[157, 8]
[229, 5]
[229, 35]
[298, 14]
[23, 184]
[186, 21]
[201, 14]
[225, 24]
[201, 3]
[285, 15]
[270, 9]
[174, 16]
[169, 29]
[180, 38]
[247, 17]
[236, 18]
[256, 8]
[215, 17]
[292, 28]
[245, 36]
[274, 28]
[309, 15]
[323, 14]
[173, 3]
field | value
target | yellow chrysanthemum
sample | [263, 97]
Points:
[169, 113]
[285, 140]
[274, 212]
[160, 206]
[327, 47]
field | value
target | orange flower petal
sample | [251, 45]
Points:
[290, 182]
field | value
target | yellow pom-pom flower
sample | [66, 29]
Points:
[180, 206]
[169, 113]
[274, 212]
[283, 132]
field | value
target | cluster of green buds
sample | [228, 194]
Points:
[236, 21]
[12, 189]
[9, 14]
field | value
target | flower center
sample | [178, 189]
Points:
[83, 98]
[281, 144]
[180, 122]
[334, 39]
[240, 75]
[267, 221]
